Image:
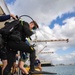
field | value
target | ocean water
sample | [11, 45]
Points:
[60, 70]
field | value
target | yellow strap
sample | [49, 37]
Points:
[32, 48]
[28, 39]
[21, 22]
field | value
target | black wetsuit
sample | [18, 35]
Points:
[3, 53]
[20, 45]
[3, 50]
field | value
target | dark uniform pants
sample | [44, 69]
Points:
[11, 59]
[20, 46]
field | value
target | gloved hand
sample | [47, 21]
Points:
[33, 45]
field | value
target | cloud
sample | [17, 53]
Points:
[58, 32]
[44, 12]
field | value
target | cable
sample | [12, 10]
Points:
[26, 16]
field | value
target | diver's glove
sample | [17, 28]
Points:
[33, 45]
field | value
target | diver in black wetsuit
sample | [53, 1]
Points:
[18, 44]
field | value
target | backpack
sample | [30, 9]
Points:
[8, 29]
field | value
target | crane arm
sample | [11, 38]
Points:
[46, 52]
[51, 40]
[41, 50]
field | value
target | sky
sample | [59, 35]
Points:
[56, 20]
